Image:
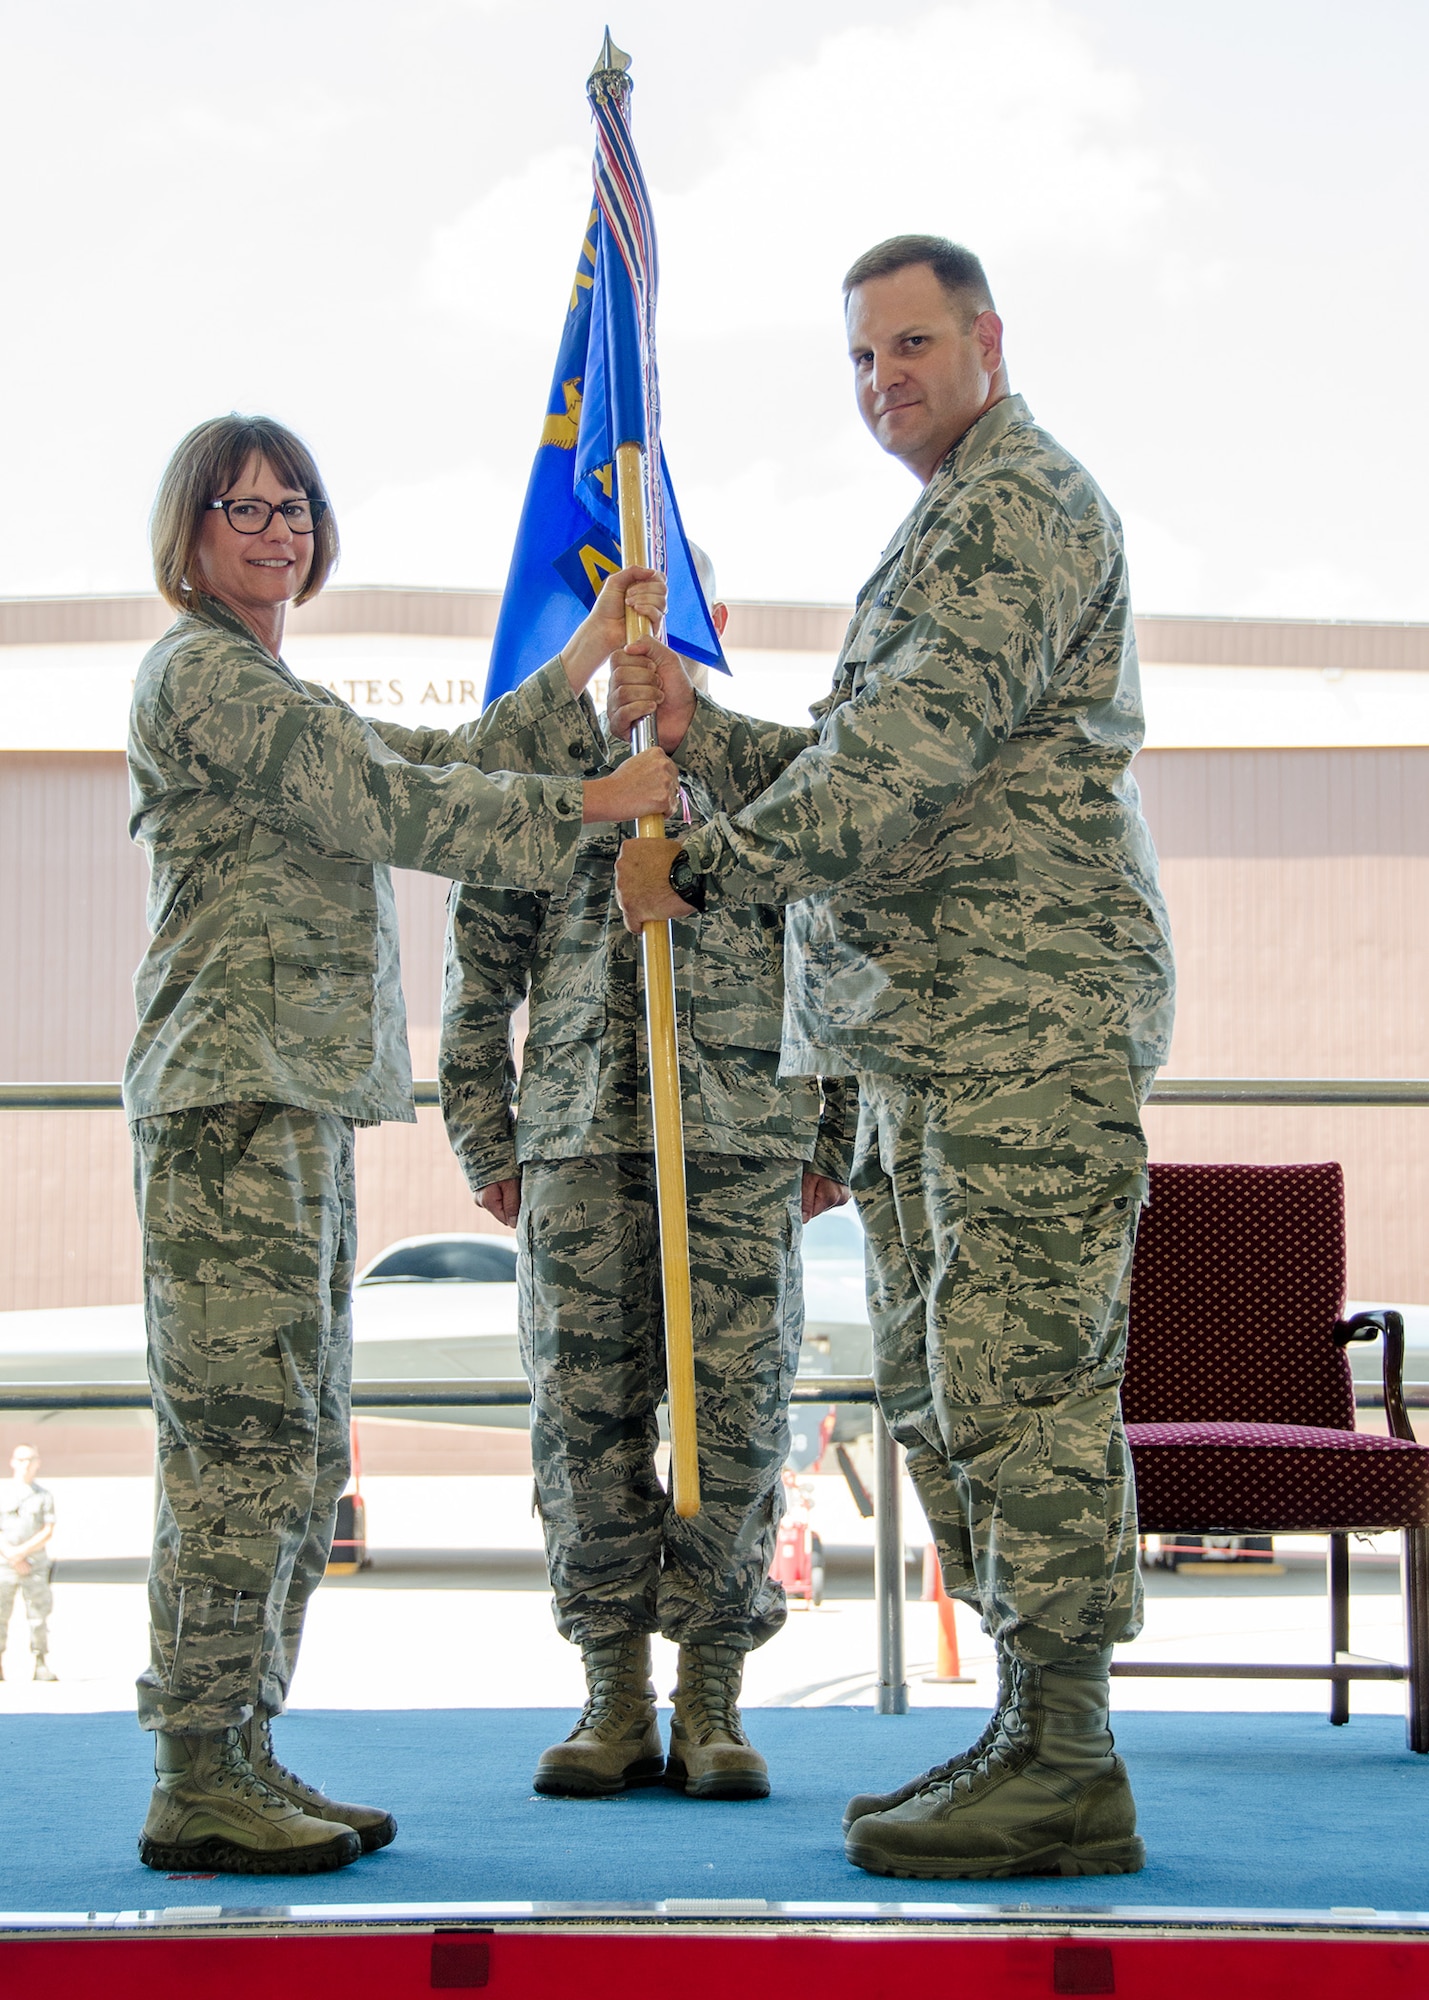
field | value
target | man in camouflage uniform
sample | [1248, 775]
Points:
[27, 1521]
[978, 936]
[575, 1173]
[270, 1023]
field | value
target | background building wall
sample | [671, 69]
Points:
[72, 930]
[1297, 882]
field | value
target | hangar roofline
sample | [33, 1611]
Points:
[424, 611]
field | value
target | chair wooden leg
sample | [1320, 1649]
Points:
[1337, 1583]
[1416, 1623]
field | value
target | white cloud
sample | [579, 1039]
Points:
[1000, 127]
[454, 529]
[508, 259]
[1316, 590]
[1153, 190]
[1166, 571]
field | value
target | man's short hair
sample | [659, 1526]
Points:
[705, 571]
[957, 270]
[698, 672]
[204, 466]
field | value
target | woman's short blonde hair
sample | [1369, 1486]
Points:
[206, 464]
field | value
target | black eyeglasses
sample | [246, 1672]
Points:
[251, 517]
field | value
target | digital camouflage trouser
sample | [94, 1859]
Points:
[1000, 1214]
[39, 1602]
[592, 1337]
[247, 1213]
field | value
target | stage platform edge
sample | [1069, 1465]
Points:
[711, 1948]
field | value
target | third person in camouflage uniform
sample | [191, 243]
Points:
[575, 1174]
[978, 936]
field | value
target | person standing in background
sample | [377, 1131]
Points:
[27, 1521]
[573, 1173]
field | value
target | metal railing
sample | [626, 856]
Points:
[891, 1692]
[1343, 1093]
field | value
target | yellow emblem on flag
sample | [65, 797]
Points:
[560, 429]
[597, 567]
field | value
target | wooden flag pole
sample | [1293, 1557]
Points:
[659, 959]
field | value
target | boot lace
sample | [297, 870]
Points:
[1011, 1740]
[946, 1772]
[233, 1773]
[709, 1699]
[617, 1693]
[266, 1758]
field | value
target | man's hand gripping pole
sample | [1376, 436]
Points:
[658, 953]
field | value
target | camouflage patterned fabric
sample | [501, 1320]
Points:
[247, 1214]
[25, 1508]
[583, 1087]
[1000, 1214]
[590, 1269]
[977, 933]
[270, 811]
[974, 887]
[270, 1019]
[592, 1338]
[39, 1602]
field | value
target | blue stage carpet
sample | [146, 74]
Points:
[1247, 1810]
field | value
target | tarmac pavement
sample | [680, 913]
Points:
[453, 1612]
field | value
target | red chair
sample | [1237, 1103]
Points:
[1240, 1409]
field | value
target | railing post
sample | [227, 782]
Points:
[1337, 1589]
[891, 1697]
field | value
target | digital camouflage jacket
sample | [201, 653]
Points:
[270, 811]
[583, 1087]
[973, 885]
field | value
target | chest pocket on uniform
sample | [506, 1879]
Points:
[322, 987]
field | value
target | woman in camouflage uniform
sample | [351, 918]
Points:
[270, 1023]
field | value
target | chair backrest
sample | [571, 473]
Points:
[1238, 1279]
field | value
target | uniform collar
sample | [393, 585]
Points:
[980, 441]
[209, 611]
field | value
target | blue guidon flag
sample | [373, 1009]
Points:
[605, 393]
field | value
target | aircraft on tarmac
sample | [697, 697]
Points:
[444, 1307]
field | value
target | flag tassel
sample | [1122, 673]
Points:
[658, 951]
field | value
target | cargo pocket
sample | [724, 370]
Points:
[1045, 1247]
[245, 1564]
[322, 988]
[250, 1382]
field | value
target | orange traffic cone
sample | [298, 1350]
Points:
[949, 1666]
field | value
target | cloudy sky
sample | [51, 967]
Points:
[1204, 226]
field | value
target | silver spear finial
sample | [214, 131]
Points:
[611, 72]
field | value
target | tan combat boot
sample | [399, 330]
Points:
[1048, 1797]
[373, 1827]
[864, 1803]
[710, 1755]
[211, 1811]
[616, 1743]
